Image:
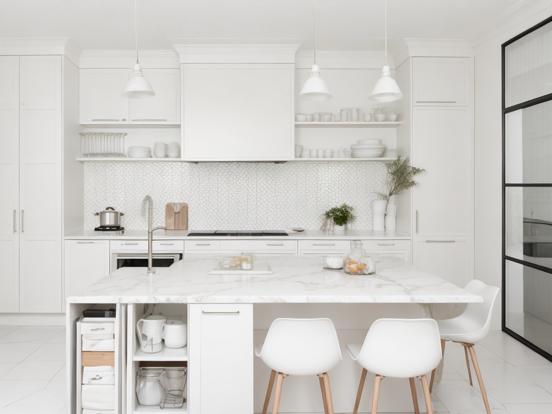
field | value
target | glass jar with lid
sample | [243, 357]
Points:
[149, 389]
[358, 262]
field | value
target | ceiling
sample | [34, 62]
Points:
[342, 24]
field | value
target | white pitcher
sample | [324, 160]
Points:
[150, 333]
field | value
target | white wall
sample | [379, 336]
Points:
[488, 142]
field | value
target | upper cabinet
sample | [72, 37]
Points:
[441, 81]
[102, 100]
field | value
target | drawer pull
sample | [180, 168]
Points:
[85, 242]
[149, 120]
[275, 244]
[166, 244]
[130, 244]
[202, 244]
[323, 244]
[236, 312]
[440, 241]
[105, 120]
[385, 244]
[436, 102]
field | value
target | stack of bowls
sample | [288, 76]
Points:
[139, 152]
[367, 148]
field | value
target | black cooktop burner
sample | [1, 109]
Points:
[238, 233]
[109, 228]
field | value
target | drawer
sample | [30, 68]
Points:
[201, 246]
[386, 245]
[99, 327]
[259, 246]
[100, 375]
[98, 397]
[93, 342]
[139, 246]
[97, 359]
[324, 246]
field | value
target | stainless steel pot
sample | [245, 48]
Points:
[110, 217]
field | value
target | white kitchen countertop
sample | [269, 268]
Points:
[183, 234]
[294, 280]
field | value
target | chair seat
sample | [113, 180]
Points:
[461, 329]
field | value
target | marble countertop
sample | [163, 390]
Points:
[294, 280]
[82, 234]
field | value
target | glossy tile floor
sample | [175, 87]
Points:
[32, 375]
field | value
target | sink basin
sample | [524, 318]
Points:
[537, 249]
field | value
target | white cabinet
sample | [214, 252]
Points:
[260, 247]
[221, 359]
[442, 81]
[86, 261]
[102, 100]
[450, 259]
[101, 96]
[323, 247]
[400, 249]
[9, 183]
[238, 112]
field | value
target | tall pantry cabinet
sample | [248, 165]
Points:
[440, 105]
[32, 125]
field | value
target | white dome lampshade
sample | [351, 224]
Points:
[138, 86]
[386, 88]
[314, 87]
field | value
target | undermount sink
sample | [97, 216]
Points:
[537, 249]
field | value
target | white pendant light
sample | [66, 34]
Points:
[137, 86]
[315, 88]
[386, 88]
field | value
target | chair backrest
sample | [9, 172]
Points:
[401, 348]
[301, 346]
[481, 313]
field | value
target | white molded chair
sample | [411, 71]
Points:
[300, 347]
[469, 328]
[399, 348]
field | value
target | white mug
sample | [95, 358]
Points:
[150, 333]
[175, 334]
[160, 150]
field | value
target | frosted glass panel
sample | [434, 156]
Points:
[528, 64]
[529, 145]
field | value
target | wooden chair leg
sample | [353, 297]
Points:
[414, 395]
[375, 394]
[473, 355]
[427, 395]
[278, 392]
[323, 390]
[468, 363]
[443, 343]
[328, 392]
[269, 391]
[360, 389]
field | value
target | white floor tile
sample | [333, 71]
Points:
[17, 352]
[529, 408]
[51, 352]
[34, 334]
[34, 403]
[12, 391]
[30, 370]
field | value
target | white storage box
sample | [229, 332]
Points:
[102, 375]
[98, 397]
[98, 342]
[97, 326]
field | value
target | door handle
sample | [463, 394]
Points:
[14, 219]
[440, 241]
[417, 221]
[105, 120]
[386, 244]
[437, 102]
[22, 221]
[275, 244]
[236, 312]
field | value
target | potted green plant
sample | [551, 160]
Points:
[400, 177]
[339, 216]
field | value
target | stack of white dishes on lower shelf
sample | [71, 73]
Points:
[139, 152]
[367, 148]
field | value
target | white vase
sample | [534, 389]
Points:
[391, 218]
[378, 215]
[339, 230]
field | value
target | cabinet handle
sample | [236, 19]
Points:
[324, 244]
[149, 120]
[22, 221]
[236, 312]
[275, 244]
[106, 120]
[440, 241]
[130, 244]
[385, 244]
[85, 242]
[166, 244]
[14, 220]
[202, 244]
[417, 221]
[438, 102]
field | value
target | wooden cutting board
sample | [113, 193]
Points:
[176, 216]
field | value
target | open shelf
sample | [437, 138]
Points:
[380, 159]
[166, 355]
[127, 159]
[142, 409]
[385, 124]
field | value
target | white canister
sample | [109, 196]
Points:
[378, 215]
[150, 333]
[160, 150]
[175, 334]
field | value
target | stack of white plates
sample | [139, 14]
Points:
[367, 148]
[139, 152]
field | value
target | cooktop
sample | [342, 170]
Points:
[237, 233]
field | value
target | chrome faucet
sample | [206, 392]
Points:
[147, 203]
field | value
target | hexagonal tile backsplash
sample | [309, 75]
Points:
[234, 195]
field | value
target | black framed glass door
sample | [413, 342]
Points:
[527, 187]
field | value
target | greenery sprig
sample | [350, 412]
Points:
[400, 177]
[340, 215]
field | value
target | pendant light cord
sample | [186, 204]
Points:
[385, 20]
[313, 5]
[136, 29]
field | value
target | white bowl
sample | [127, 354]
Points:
[369, 142]
[392, 116]
[333, 262]
[375, 152]
[139, 152]
[380, 117]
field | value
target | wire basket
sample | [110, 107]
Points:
[103, 144]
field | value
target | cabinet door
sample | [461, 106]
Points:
[234, 112]
[450, 259]
[9, 183]
[86, 261]
[221, 359]
[101, 96]
[164, 106]
[443, 198]
[40, 185]
[397, 249]
[441, 81]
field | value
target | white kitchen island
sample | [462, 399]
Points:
[228, 315]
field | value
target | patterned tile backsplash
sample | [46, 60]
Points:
[234, 195]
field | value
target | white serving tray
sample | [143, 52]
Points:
[259, 268]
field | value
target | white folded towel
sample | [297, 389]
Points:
[101, 375]
[98, 397]
[98, 342]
